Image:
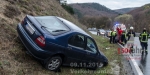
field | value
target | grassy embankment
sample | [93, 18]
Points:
[13, 57]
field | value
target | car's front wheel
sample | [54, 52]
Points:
[54, 63]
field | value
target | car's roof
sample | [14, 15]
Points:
[72, 26]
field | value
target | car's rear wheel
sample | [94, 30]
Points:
[54, 63]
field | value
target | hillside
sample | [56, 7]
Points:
[141, 17]
[124, 10]
[13, 57]
[92, 9]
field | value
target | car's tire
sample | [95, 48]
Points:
[53, 63]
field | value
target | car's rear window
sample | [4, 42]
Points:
[52, 24]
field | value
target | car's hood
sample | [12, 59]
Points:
[102, 54]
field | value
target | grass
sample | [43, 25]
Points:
[13, 57]
[111, 52]
[12, 11]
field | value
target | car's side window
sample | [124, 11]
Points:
[77, 40]
[91, 46]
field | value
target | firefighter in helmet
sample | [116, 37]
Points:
[144, 39]
[131, 33]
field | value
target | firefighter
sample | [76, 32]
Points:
[123, 38]
[112, 37]
[144, 39]
[130, 33]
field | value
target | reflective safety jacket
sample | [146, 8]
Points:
[130, 34]
[144, 37]
[113, 33]
[124, 35]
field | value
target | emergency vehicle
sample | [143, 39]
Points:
[119, 28]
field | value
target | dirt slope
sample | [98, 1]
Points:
[13, 57]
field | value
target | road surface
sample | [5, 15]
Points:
[93, 32]
[144, 60]
[127, 69]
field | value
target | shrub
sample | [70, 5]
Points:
[69, 9]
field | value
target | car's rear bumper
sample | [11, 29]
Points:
[33, 49]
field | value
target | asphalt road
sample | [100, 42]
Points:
[143, 60]
[127, 69]
[93, 32]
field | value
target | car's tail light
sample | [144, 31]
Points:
[40, 41]
[22, 22]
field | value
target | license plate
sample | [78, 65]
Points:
[29, 28]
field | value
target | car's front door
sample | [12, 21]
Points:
[91, 56]
[76, 50]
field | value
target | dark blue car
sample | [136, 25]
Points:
[56, 42]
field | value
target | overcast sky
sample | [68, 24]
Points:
[114, 4]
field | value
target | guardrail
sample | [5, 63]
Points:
[134, 65]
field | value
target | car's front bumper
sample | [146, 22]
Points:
[33, 49]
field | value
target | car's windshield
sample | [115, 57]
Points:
[52, 24]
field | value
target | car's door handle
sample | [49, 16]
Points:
[69, 48]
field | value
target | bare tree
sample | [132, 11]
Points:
[125, 19]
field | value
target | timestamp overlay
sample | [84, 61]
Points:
[100, 71]
[88, 65]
